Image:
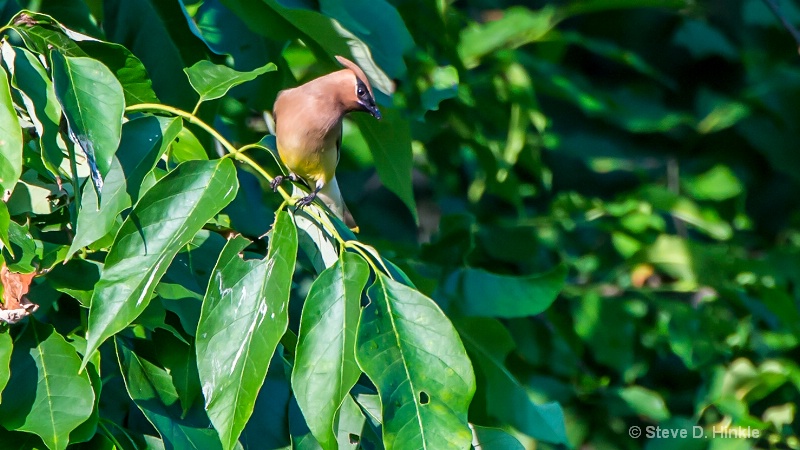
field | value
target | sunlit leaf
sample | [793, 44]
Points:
[213, 81]
[485, 438]
[164, 220]
[49, 397]
[11, 141]
[244, 316]
[93, 103]
[412, 353]
[325, 367]
[143, 142]
[30, 78]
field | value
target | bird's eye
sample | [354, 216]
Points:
[360, 92]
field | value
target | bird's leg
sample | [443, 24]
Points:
[305, 201]
[279, 179]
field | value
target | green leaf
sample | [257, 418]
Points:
[93, 103]
[413, 354]
[50, 398]
[11, 142]
[128, 69]
[160, 34]
[6, 346]
[518, 26]
[390, 143]
[21, 256]
[644, 402]
[166, 219]
[490, 295]
[325, 367]
[5, 223]
[486, 438]
[213, 81]
[244, 316]
[76, 278]
[29, 77]
[507, 399]
[151, 389]
[719, 183]
[143, 142]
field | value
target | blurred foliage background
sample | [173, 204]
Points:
[639, 158]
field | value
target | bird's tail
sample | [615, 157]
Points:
[332, 197]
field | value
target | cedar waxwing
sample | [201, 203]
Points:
[308, 130]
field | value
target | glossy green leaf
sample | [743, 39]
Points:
[93, 103]
[325, 367]
[41, 31]
[21, 256]
[6, 346]
[165, 219]
[412, 353]
[508, 399]
[486, 294]
[350, 424]
[49, 397]
[390, 143]
[143, 142]
[151, 389]
[30, 78]
[213, 81]
[5, 220]
[486, 438]
[244, 316]
[11, 143]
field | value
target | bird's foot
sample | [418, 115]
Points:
[307, 200]
[276, 182]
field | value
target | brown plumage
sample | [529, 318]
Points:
[308, 130]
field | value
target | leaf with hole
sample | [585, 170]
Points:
[412, 353]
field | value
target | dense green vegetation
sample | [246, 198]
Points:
[579, 221]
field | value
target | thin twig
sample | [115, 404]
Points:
[776, 9]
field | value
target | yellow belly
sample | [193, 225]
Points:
[315, 166]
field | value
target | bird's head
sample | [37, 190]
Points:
[358, 96]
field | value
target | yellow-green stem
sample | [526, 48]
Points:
[235, 153]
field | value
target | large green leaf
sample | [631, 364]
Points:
[390, 144]
[244, 316]
[213, 81]
[507, 399]
[6, 346]
[143, 142]
[152, 390]
[325, 367]
[30, 78]
[165, 219]
[11, 143]
[93, 103]
[50, 398]
[40, 32]
[481, 293]
[412, 353]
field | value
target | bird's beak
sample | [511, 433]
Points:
[373, 109]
